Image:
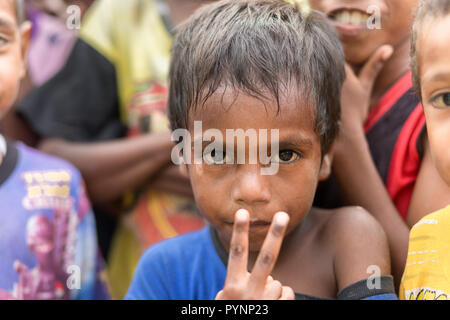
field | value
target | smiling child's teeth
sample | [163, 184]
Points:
[355, 18]
[345, 17]
[351, 17]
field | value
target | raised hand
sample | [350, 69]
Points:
[257, 285]
[357, 89]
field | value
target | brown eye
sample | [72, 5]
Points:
[446, 99]
[215, 157]
[286, 156]
[442, 101]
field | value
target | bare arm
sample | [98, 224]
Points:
[360, 246]
[170, 179]
[353, 166]
[112, 168]
[358, 177]
[361, 185]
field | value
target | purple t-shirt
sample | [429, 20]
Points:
[48, 240]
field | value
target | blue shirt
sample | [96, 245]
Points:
[193, 267]
[185, 267]
[48, 238]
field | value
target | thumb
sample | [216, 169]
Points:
[373, 66]
[219, 295]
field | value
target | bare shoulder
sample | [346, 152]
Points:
[347, 223]
[353, 222]
[358, 242]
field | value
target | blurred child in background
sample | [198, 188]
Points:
[48, 241]
[105, 112]
[50, 45]
[382, 159]
[427, 274]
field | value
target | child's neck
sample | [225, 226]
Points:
[393, 69]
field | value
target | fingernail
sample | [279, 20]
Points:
[282, 218]
[388, 52]
[242, 215]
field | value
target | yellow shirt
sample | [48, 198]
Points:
[132, 36]
[427, 272]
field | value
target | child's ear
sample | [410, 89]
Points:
[25, 35]
[325, 168]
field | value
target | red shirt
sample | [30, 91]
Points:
[393, 130]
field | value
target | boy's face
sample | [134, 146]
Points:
[13, 46]
[222, 189]
[434, 72]
[353, 22]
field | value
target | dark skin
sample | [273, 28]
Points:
[376, 59]
[113, 168]
[332, 248]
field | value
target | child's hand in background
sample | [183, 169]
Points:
[257, 285]
[357, 89]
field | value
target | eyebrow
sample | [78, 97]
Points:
[295, 141]
[291, 141]
[441, 76]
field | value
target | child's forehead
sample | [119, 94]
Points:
[234, 108]
[434, 46]
[435, 28]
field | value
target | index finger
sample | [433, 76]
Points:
[238, 256]
[270, 249]
[373, 66]
[349, 73]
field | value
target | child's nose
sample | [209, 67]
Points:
[251, 187]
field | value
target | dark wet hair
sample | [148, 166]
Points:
[258, 47]
[427, 9]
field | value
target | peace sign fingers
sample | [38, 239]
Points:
[268, 254]
[238, 257]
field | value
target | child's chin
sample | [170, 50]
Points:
[356, 55]
[255, 243]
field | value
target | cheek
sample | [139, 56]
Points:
[209, 191]
[358, 51]
[9, 81]
[395, 26]
[317, 5]
[438, 128]
[298, 190]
